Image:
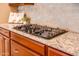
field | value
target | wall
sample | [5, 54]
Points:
[54, 15]
[4, 12]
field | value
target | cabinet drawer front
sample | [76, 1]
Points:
[35, 46]
[53, 52]
[18, 50]
[4, 32]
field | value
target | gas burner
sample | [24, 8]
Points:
[41, 31]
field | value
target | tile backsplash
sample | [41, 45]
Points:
[63, 15]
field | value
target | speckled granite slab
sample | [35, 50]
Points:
[68, 42]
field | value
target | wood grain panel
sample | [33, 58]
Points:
[18, 50]
[4, 32]
[7, 46]
[35, 46]
[2, 46]
[53, 52]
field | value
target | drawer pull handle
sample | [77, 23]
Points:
[16, 51]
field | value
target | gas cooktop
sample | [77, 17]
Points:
[41, 31]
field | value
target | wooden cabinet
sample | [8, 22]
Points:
[2, 41]
[14, 6]
[35, 46]
[19, 50]
[4, 46]
[19, 4]
[54, 52]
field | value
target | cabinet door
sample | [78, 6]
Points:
[2, 46]
[19, 50]
[7, 46]
[54, 52]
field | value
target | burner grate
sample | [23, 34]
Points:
[41, 31]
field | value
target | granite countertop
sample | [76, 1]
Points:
[68, 42]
